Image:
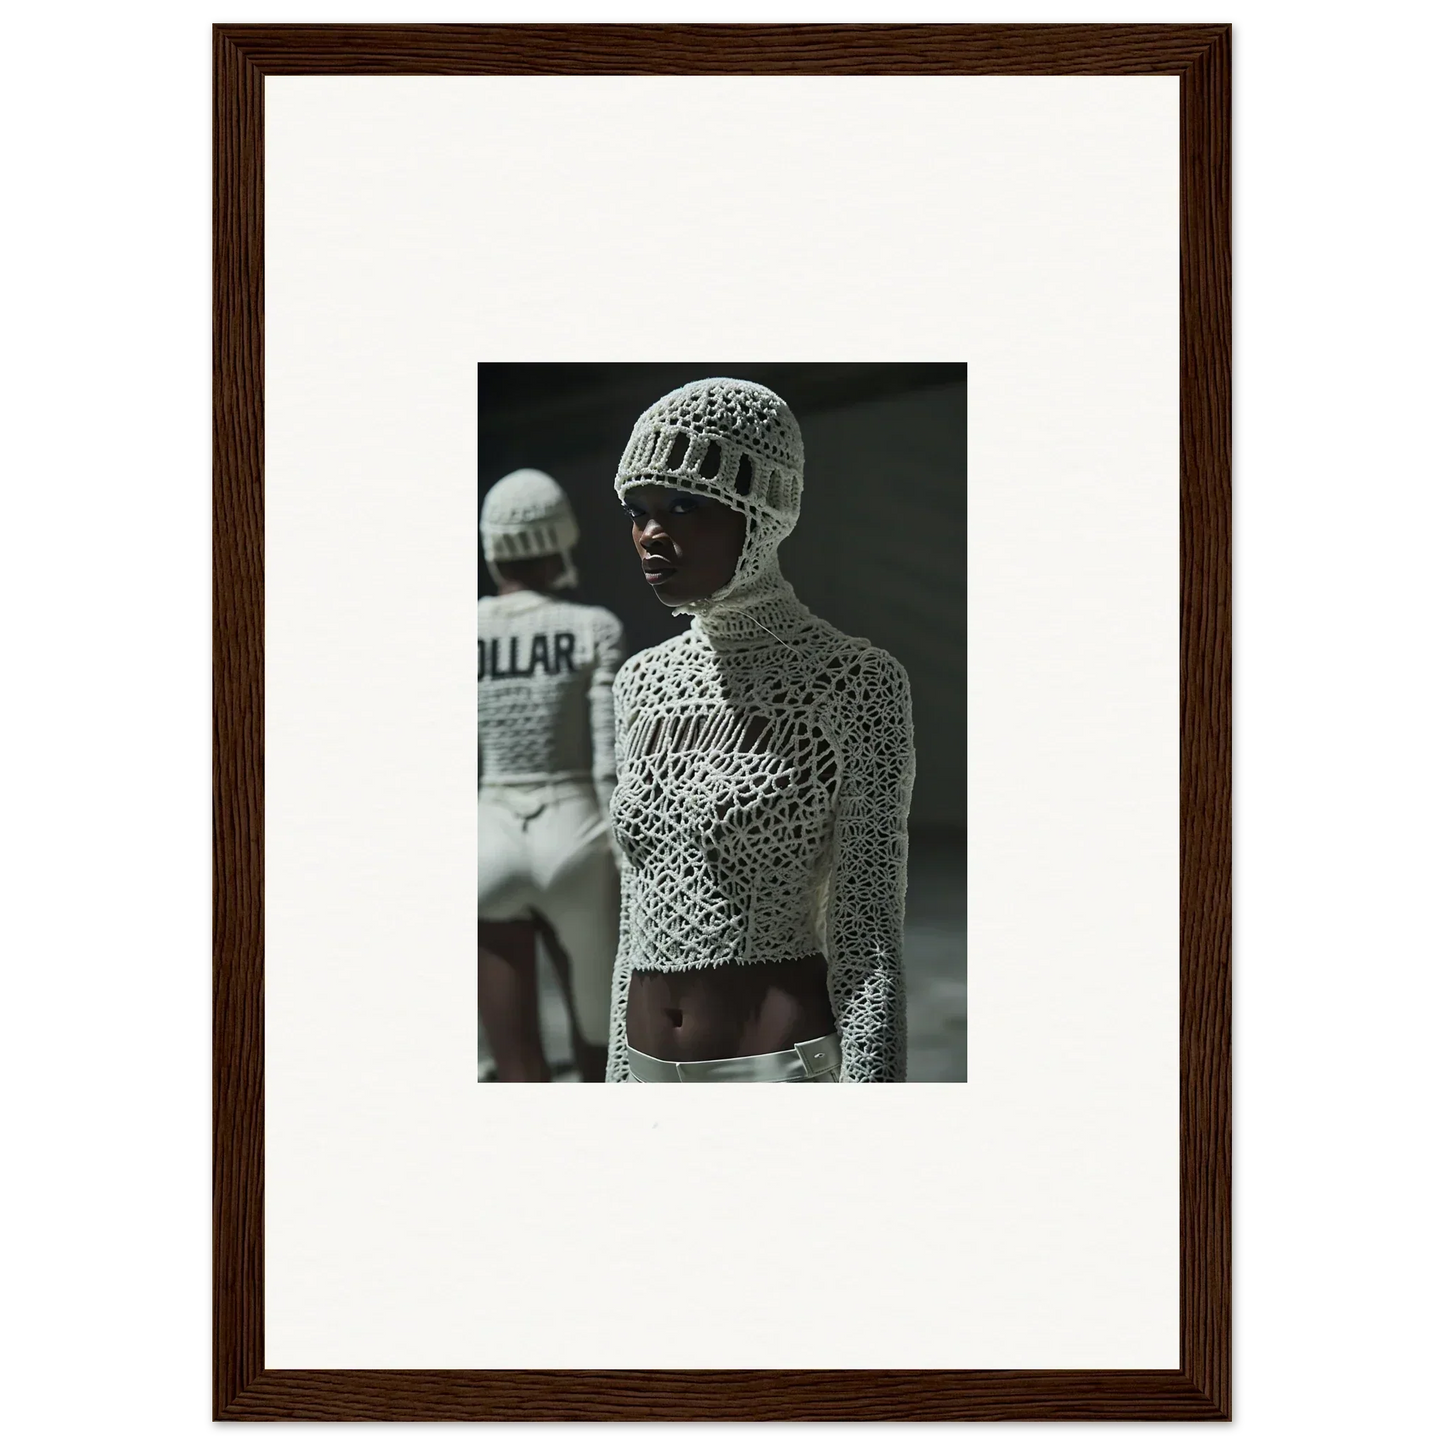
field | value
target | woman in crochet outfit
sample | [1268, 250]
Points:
[544, 776]
[765, 766]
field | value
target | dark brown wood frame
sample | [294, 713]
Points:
[1199, 56]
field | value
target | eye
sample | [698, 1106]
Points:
[684, 502]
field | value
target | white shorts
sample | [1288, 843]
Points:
[543, 847]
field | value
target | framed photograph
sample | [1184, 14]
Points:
[830, 428]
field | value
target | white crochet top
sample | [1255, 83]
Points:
[544, 690]
[764, 759]
[762, 813]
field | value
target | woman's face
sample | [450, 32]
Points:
[689, 545]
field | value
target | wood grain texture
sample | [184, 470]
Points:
[1204, 722]
[238, 777]
[722, 1395]
[1199, 1390]
[722, 49]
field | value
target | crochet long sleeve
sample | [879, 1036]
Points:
[621, 980]
[865, 891]
[622, 969]
[609, 650]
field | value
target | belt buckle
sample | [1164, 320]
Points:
[815, 1058]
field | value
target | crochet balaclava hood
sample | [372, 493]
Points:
[527, 514]
[739, 443]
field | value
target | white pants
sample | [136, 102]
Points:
[542, 847]
[815, 1061]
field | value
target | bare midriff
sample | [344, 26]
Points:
[729, 1011]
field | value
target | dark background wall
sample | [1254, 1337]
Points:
[880, 550]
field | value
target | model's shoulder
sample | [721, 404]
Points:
[863, 669]
[668, 652]
[631, 667]
[832, 647]
[663, 659]
[878, 662]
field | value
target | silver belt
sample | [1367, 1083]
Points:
[795, 1065]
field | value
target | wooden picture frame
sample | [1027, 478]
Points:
[1200, 1389]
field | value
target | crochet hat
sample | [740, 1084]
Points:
[526, 514]
[734, 441]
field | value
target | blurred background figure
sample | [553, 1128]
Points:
[545, 774]
[882, 554]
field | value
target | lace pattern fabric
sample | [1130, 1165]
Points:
[761, 813]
